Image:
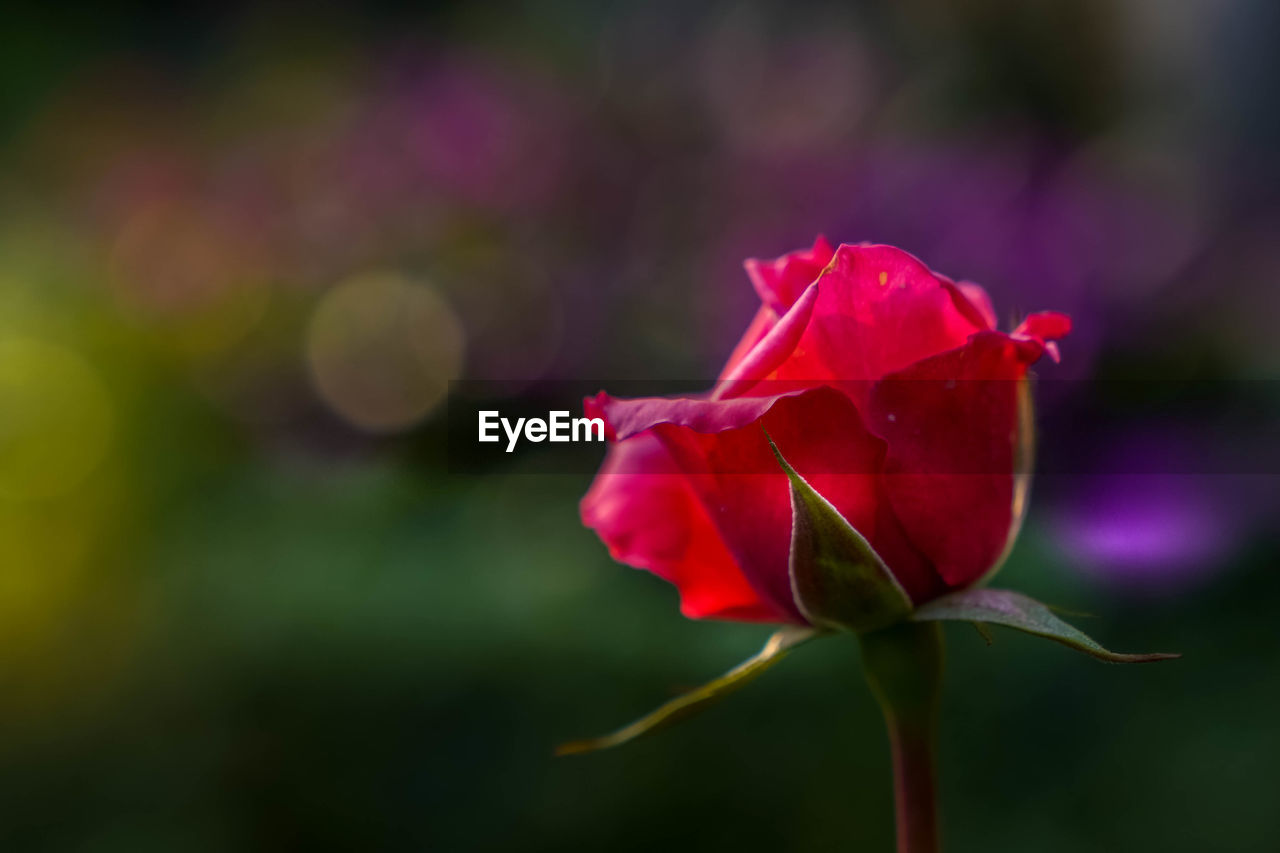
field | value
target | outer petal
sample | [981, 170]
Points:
[644, 510]
[977, 300]
[1042, 329]
[760, 325]
[873, 310]
[880, 310]
[721, 447]
[952, 426]
[1044, 326]
[780, 282]
[771, 351]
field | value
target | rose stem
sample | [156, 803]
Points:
[903, 666]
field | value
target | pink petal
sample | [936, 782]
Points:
[976, 299]
[772, 350]
[878, 310]
[780, 282]
[759, 327]
[951, 422]
[644, 510]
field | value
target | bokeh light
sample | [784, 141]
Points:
[55, 419]
[1149, 531]
[382, 350]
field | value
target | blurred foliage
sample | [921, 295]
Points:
[244, 603]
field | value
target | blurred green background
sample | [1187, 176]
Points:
[245, 604]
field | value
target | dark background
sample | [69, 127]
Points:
[246, 605]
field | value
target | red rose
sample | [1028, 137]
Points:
[885, 385]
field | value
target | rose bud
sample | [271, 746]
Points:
[888, 391]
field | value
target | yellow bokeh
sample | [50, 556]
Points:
[381, 351]
[55, 419]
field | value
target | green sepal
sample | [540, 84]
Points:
[1015, 610]
[690, 703]
[837, 578]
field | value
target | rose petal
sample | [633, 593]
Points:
[977, 301]
[1043, 329]
[1044, 326]
[780, 282]
[875, 309]
[951, 423]
[644, 510]
[772, 350]
[880, 310]
[760, 325]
